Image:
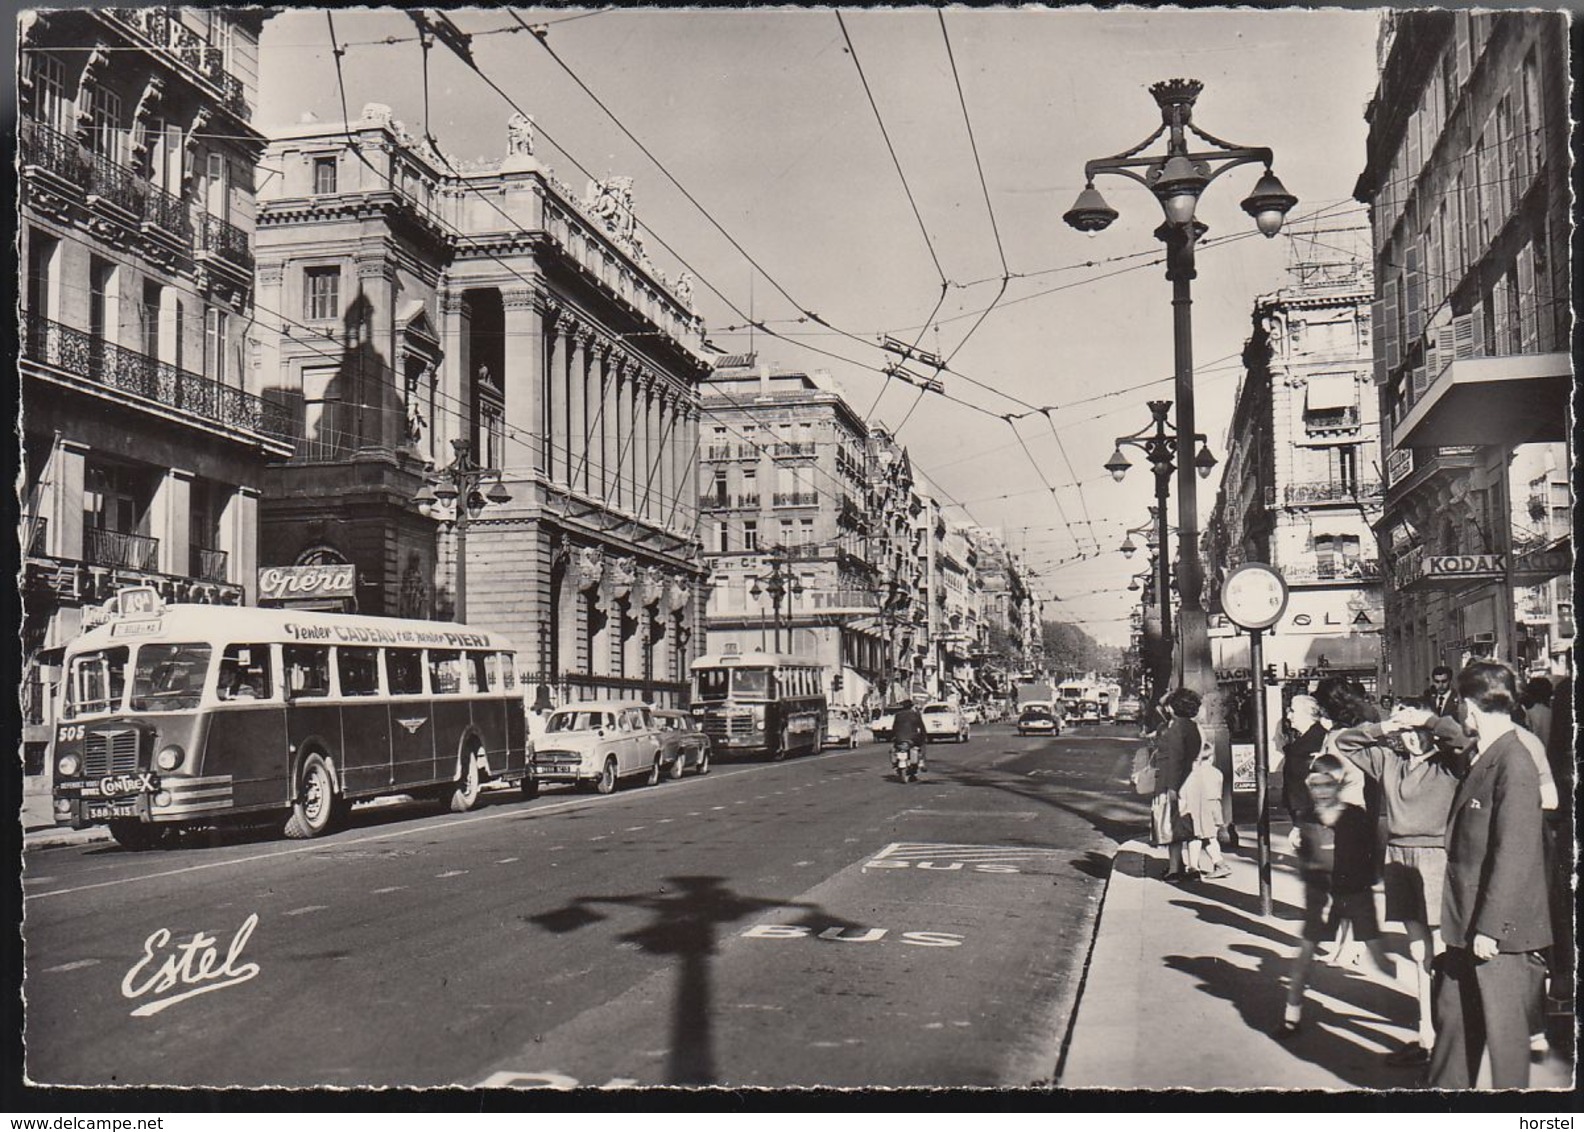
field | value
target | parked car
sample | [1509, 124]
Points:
[1038, 719]
[682, 743]
[973, 713]
[1089, 711]
[1128, 710]
[943, 720]
[841, 727]
[598, 742]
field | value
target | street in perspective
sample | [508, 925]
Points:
[526, 584]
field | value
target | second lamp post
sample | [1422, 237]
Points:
[778, 584]
[459, 484]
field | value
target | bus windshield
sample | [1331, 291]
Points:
[169, 677]
[751, 683]
[714, 684]
[96, 682]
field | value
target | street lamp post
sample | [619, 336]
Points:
[1159, 443]
[1177, 178]
[458, 484]
[779, 583]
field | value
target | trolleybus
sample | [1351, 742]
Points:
[760, 703]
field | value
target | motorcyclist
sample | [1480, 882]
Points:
[907, 726]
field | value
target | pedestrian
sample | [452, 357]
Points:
[1494, 914]
[1559, 845]
[1199, 803]
[1177, 748]
[1333, 842]
[1309, 732]
[1346, 704]
[1536, 704]
[1417, 787]
[1443, 699]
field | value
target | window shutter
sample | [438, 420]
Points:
[1463, 44]
[1528, 305]
[1421, 381]
[1463, 335]
[1471, 212]
[1378, 338]
[1388, 331]
[1434, 361]
[1500, 320]
[1434, 270]
[1415, 295]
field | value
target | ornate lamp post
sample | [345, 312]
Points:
[1177, 177]
[458, 485]
[1159, 443]
[778, 584]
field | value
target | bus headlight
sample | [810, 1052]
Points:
[163, 798]
[68, 766]
[169, 758]
[759, 718]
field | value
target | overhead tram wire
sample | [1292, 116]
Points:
[973, 144]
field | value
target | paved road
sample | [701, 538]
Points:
[812, 922]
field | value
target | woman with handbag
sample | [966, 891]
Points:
[1176, 751]
[1204, 815]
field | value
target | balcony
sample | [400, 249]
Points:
[787, 449]
[168, 212]
[115, 184]
[1324, 491]
[748, 501]
[182, 47]
[718, 452]
[93, 359]
[1514, 399]
[220, 238]
[1409, 469]
[1347, 570]
[796, 499]
[118, 548]
[52, 151]
[38, 535]
[208, 564]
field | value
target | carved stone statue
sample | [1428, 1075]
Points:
[520, 136]
[623, 573]
[684, 288]
[611, 203]
[588, 565]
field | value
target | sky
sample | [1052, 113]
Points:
[763, 117]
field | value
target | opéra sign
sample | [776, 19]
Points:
[278, 583]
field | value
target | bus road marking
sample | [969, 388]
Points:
[391, 888]
[305, 909]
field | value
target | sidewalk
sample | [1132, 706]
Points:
[37, 815]
[1186, 983]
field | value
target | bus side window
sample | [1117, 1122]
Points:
[245, 673]
[478, 666]
[508, 667]
[404, 671]
[359, 671]
[445, 672]
[307, 670]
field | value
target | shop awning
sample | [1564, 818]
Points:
[1331, 391]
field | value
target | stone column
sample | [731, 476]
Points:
[556, 430]
[522, 310]
[610, 395]
[382, 422]
[577, 414]
[663, 418]
[170, 521]
[688, 512]
[455, 378]
[239, 539]
[642, 445]
[618, 428]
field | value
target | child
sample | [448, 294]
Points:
[1200, 803]
[1336, 839]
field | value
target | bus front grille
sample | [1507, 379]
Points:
[724, 726]
[110, 752]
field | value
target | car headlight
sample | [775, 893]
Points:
[169, 757]
[68, 766]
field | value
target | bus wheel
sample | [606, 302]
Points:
[607, 778]
[466, 793]
[130, 833]
[313, 813]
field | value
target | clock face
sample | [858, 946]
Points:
[1254, 596]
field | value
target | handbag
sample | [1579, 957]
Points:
[1143, 775]
[1163, 818]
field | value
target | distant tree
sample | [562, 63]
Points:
[1068, 648]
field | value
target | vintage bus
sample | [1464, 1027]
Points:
[180, 715]
[760, 703]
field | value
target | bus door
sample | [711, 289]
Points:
[365, 755]
[311, 716]
[452, 705]
[412, 719]
[247, 741]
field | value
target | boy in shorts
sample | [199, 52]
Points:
[1417, 786]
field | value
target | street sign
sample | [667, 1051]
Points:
[1254, 596]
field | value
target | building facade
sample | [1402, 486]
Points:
[431, 309]
[1466, 179]
[794, 551]
[144, 436]
[1301, 486]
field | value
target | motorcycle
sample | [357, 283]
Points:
[908, 760]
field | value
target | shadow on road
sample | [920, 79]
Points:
[687, 917]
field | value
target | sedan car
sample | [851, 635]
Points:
[1037, 719]
[1127, 710]
[943, 720]
[882, 725]
[682, 743]
[597, 742]
[973, 713]
[841, 727]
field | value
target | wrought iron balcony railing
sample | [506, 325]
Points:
[226, 240]
[1329, 492]
[169, 212]
[796, 498]
[183, 45]
[1346, 570]
[53, 151]
[718, 452]
[119, 548]
[38, 534]
[115, 367]
[208, 564]
[748, 500]
[792, 448]
[116, 184]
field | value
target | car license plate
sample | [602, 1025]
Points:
[101, 810]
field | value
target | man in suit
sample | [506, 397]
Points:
[1443, 699]
[1303, 716]
[1494, 914]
